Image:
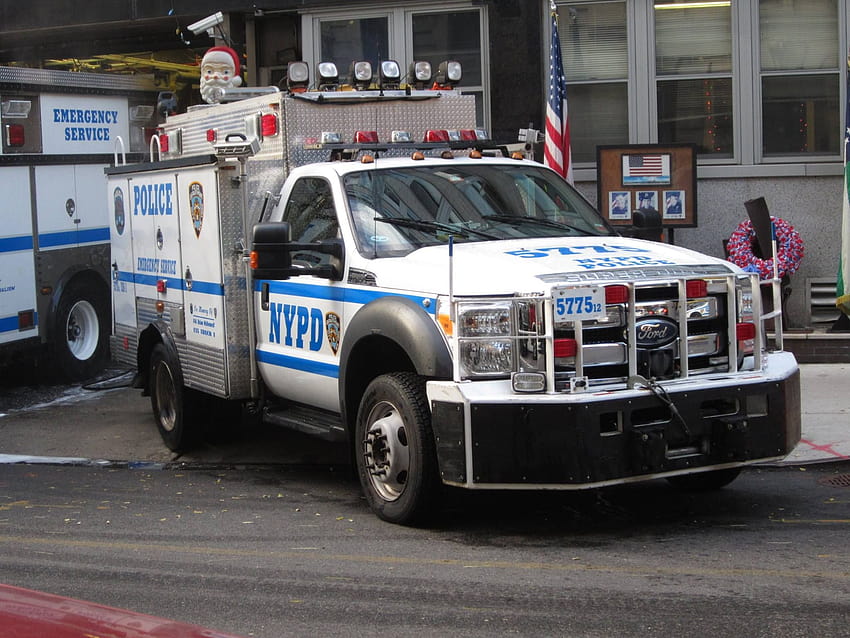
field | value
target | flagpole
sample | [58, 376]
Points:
[556, 147]
[842, 288]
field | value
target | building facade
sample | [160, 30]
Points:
[757, 86]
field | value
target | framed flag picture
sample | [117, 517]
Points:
[659, 176]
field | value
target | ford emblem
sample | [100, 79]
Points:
[654, 333]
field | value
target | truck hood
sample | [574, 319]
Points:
[529, 265]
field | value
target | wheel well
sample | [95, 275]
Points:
[149, 337]
[370, 358]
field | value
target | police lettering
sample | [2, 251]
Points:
[152, 199]
[299, 322]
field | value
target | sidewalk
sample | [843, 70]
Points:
[116, 426]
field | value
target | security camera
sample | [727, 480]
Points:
[207, 24]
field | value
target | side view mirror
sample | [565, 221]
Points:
[272, 249]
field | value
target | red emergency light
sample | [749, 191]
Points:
[212, 135]
[268, 125]
[616, 294]
[15, 135]
[161, 286]
[163, 143]
[436, 135]
[468, 135]
[695, 288]
[366, 137]
[565, 348]
[745, 331]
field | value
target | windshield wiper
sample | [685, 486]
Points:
[427, 225]
[517, 220]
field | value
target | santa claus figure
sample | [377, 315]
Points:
[219, 70]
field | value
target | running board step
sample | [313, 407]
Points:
[302, 418]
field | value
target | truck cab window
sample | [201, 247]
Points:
[311, 216]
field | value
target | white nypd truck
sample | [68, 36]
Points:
[458, 318]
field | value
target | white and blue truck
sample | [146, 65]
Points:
[59, 130]
[458, 316]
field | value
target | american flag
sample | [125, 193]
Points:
[556, 151]
[649, 165]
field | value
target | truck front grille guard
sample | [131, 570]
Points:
[723, 287]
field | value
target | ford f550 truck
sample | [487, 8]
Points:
[459, 317]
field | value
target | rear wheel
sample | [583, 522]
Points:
[177, 409]
[705, 481]
[396, 459]
[81, 331]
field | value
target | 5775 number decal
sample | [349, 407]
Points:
[574, 304]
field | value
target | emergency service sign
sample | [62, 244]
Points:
[80, 124]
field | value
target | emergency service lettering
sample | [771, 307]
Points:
[298, 322]
[156, 266]
[153, 199]
[86, 116]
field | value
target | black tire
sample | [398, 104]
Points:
[81, 331]
[705, 481]
[396, 457]
[177, 410]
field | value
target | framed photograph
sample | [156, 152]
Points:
[646, 168]
[674, 205]
[619, 205]
[647, 199]
[659, 176]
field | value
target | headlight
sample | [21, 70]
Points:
[482, 351]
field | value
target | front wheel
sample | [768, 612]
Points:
[396, 458]
[176, 408]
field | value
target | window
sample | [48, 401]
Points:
[312, 217]
[594, 47]
[347, 41]
[444, 31]
[800, 79]
[693, 66]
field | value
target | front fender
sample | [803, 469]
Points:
[404, 323]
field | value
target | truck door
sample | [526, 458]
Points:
[156, 245]
[123, 285]
[299, 334]
[202, 275]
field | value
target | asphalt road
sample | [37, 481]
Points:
[294, 551]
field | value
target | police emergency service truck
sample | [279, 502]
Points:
[59, 131]
[459, 318]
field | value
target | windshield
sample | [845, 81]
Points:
[398, 210]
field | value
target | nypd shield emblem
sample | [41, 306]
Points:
[118, 209]
[196, 205]
[332, 329]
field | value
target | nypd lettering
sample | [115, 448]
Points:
[296, 326]
[153, 199]
[532, 253]
[89, 117]
[595, 256]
